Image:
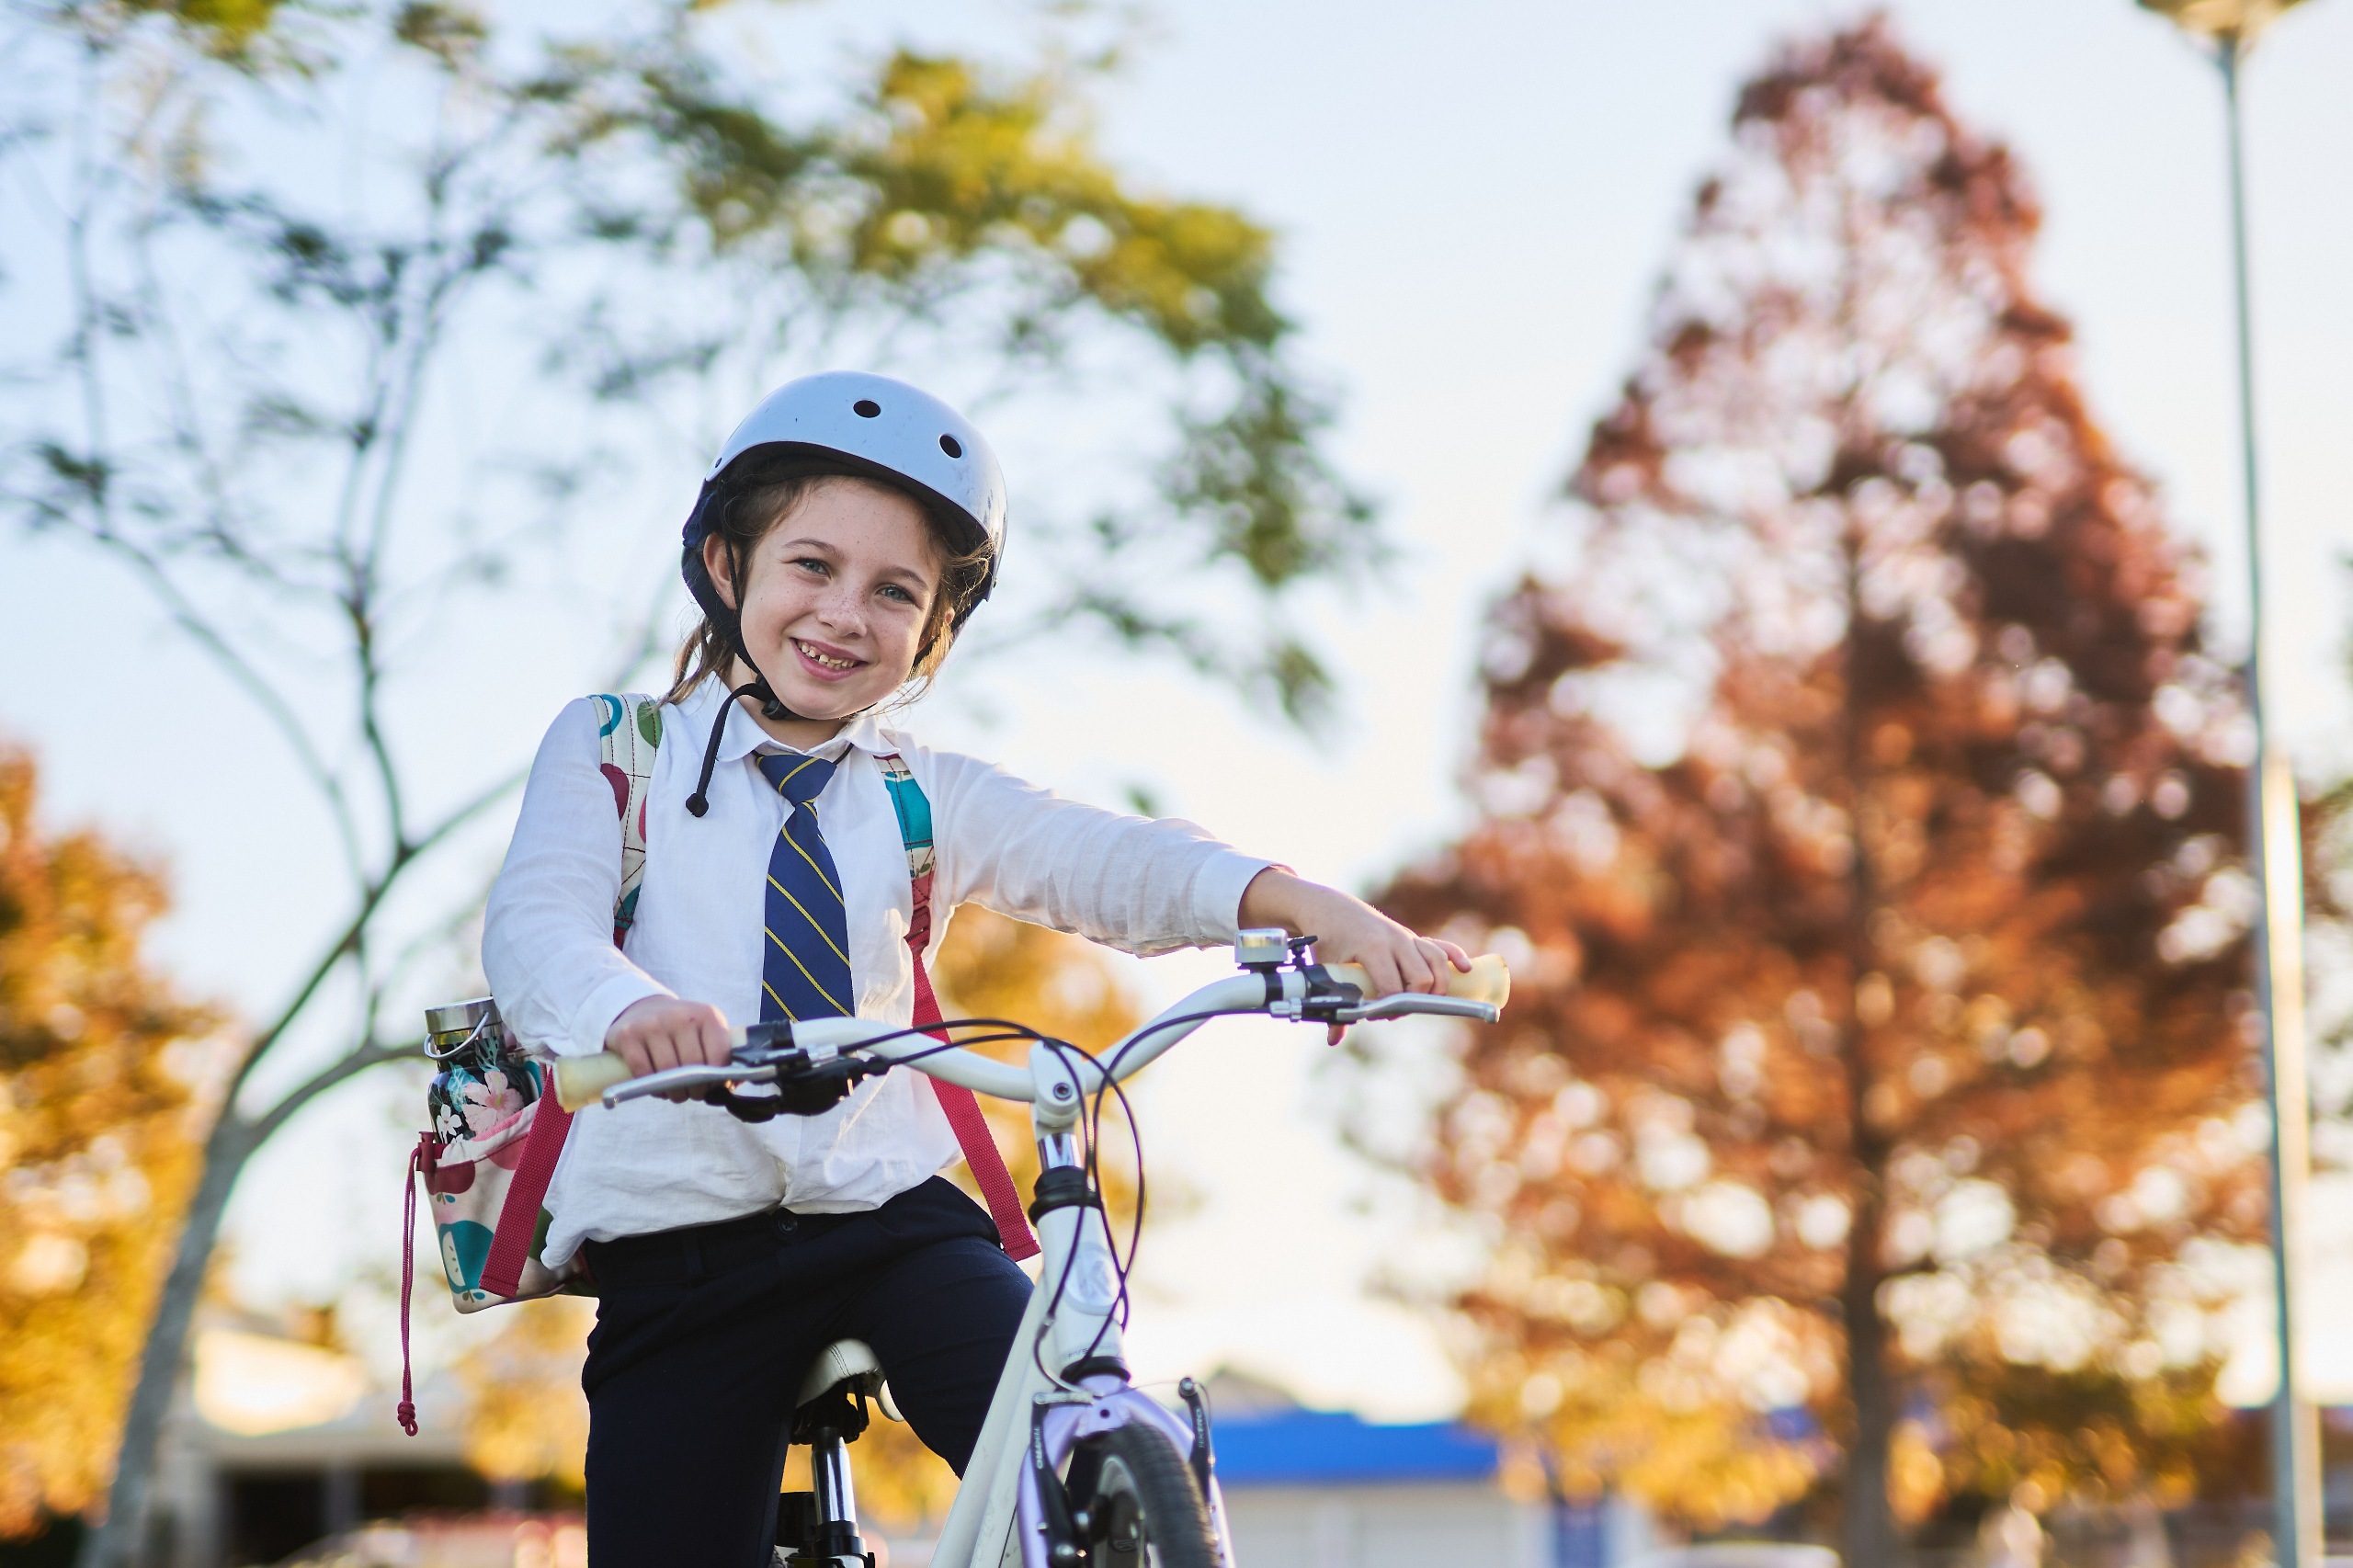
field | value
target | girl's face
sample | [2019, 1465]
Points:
[840, 592]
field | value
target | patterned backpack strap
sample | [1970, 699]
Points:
[958, 1103]
[628, 731]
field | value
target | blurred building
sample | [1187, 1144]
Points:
[274, 1445]
[1327, 1489]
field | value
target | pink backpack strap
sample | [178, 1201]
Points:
[956, 1102]
[518, 1217]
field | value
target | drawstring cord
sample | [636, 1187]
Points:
[406, 1414]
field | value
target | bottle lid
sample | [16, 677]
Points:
[459, 1018]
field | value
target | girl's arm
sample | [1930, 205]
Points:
[1348, 930]
[547, 939]
[1141, 885]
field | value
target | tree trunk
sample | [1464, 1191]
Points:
[120, 1543]
[1867, 1528]
[1868, 1521]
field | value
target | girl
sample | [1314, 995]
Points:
[847, 529]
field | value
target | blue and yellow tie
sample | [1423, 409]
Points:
[806, 972]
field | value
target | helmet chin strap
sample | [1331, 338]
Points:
[771, 708]
[700, 803]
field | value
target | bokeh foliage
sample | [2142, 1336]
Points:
[98, 1065]
[1863, 808]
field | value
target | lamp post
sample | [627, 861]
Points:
[2275, 851]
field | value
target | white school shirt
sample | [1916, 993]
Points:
[1136, 884]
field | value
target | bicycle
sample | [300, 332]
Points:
[1074, 1465]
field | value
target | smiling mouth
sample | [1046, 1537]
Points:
[825, 661]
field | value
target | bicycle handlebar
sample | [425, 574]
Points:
[583, 1081]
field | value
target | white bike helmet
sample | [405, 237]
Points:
[865, 425]
[870, 424]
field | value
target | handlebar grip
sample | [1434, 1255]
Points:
[581, 1080]
[1488, 981]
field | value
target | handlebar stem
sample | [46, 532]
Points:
[1055, 1093]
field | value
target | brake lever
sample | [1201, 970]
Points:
[1408, 1004]
[671, 1080]
[812, 1092]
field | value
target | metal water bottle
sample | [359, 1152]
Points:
[483, 1079]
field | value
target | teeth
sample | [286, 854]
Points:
[829, 663]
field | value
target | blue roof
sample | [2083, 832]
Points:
[1302, 1446]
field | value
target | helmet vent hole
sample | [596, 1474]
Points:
[947, 444]
[866, 408]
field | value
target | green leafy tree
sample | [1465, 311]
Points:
[267, 401]
[1864, 808]
[97, 1061]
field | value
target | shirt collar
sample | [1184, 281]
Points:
[743, 735]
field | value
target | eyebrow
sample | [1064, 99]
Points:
[823, 547]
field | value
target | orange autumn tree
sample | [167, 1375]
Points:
[1865, 807]
[96, 1139]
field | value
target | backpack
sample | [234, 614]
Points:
[487, 1187]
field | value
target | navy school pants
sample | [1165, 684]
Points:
[704, 1333]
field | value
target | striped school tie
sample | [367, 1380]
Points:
[805, 973]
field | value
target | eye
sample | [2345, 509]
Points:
[898, 593]
[811, 563]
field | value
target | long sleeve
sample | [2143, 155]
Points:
[1134, 883]
[547, 940]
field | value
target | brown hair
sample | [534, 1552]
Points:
[764, 491]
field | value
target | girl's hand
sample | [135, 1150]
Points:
[655, 1033]
[1348, 930]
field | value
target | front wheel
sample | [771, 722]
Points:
[1142, 1508]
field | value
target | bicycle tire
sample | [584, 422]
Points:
[1147, 1507]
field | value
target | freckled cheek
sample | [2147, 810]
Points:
[897, 652]
[898, 647]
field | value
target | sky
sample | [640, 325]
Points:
[1474, 201]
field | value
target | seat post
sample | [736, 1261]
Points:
[834, 1542]
[830, 1415]
[829, 1465]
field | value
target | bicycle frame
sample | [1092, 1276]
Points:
[1074, 1244]
[1036, 1416]
[1066, 1377]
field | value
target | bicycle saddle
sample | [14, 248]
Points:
[846, 1364]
